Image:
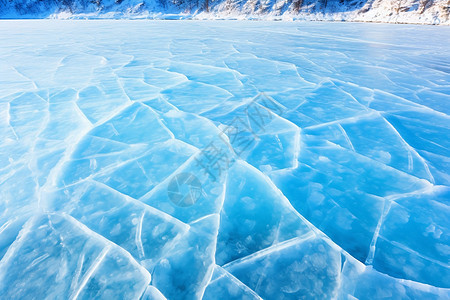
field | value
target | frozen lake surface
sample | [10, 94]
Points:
[224, 160]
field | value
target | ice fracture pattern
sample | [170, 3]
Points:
[224, 160]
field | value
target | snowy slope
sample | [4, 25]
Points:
[393, 11]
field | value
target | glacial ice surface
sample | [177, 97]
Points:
[224, 160]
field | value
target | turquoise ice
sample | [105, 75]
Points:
[224, 160]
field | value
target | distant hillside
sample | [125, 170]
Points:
[394, 11]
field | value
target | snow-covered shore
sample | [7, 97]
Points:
[386, 11]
